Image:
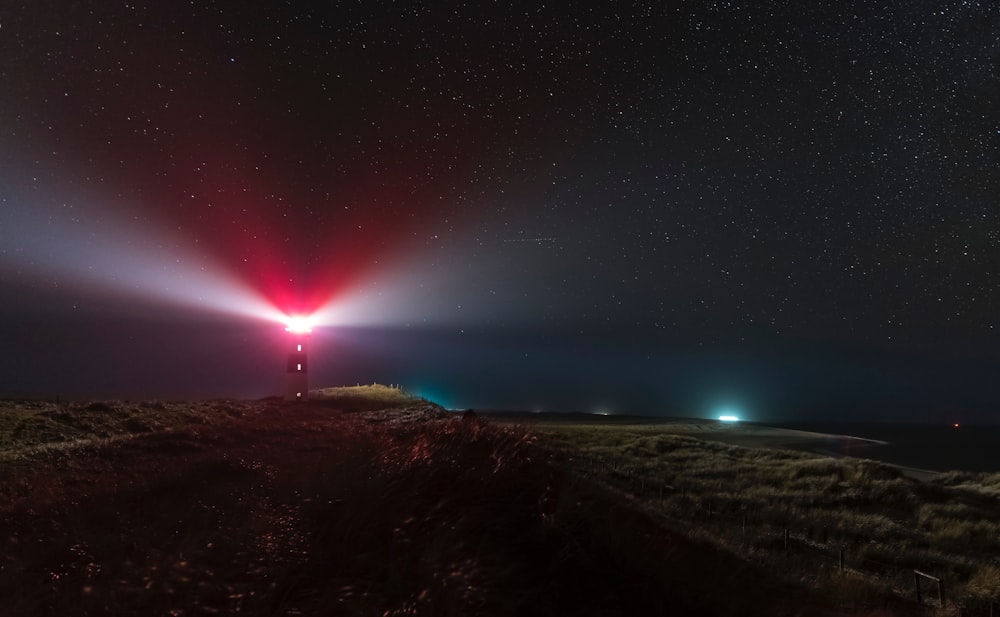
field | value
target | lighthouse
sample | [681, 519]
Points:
[297, 369]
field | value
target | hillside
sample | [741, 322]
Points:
[268, 508]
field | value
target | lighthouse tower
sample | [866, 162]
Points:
[297, 369]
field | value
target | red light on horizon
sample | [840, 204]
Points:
[955, 425]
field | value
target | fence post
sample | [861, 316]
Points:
[744, 524]
[937, 579]
[841, 558]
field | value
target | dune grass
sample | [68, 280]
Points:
[29, 425]
[367, 397]
[26, 426]
[268, 508]
[888, 524]
[366, 501]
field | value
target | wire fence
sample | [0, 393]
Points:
[796, 546]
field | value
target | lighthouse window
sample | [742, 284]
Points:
[299, 347]
[299, 368]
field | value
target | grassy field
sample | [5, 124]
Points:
[367, 502]
[884, 523]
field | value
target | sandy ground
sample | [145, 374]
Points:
[743, 434]
[837, 446]
[756, 436]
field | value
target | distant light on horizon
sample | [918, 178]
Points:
[729, 418]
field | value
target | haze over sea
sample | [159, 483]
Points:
[935, 447]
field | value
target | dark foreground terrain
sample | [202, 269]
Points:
[329, 508]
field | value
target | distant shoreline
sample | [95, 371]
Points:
[919, 450]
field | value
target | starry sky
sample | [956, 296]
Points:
[777, 207]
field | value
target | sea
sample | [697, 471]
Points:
[933, 447]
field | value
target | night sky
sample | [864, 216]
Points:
[787, 209]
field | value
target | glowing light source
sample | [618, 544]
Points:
[729, 418]
[298, 325]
